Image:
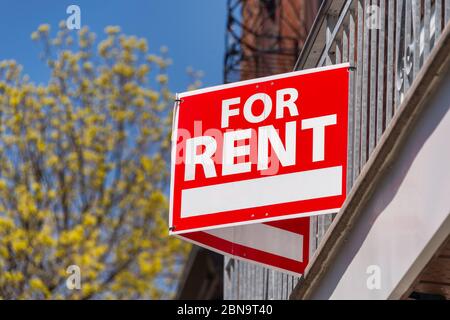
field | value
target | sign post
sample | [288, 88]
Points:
[252, 160]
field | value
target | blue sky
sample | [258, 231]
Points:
[193, 30]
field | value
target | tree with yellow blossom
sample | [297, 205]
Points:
[83, 171]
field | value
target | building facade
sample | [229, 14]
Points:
[391, 238]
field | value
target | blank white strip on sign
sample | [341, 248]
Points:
[265, 238]
[305, 185]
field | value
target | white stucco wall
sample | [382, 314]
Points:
[407, 217]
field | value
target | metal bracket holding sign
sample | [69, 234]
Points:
[252, 160]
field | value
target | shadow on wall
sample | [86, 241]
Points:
[390, 182]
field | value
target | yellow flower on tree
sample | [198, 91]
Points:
[83, 171]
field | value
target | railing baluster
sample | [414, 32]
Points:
[351, 124]
[416, 36]
[261, 283]
[358, 90]
[349, 56]
[447, 11]
[312, 235]
[390, 61]
[227, 274]
[381, 67]
[437, 20]
[254, 277]
[285, 285]
[426, 29]
[407, 66]
[290, 279]
[279, 286]
[330, 26]
[338, 52]
[244, 277]
[373, 83]
[399, 54]
[345, 40]
[365, 90]
[272, 283]
[238, 279]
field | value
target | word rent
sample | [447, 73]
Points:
[200, 151]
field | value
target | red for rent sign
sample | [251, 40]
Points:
[260, 151]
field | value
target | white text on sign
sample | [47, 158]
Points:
[200, 150]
